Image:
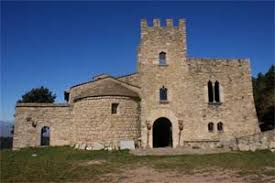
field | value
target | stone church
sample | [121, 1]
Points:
[171, 100]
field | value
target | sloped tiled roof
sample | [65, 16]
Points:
[107, 87]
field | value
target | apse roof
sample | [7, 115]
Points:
[107, 87]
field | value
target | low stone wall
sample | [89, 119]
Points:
[203, 144]
[30, 118]
[259, 141]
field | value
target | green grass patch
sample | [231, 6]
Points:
[61, 164]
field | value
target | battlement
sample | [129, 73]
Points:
[157, 24]
[157, 37]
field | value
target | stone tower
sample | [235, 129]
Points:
[162, 62]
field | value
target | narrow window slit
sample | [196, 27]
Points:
[114, 108]
[162, 58]
[217, 91]
[210, 92]
[163, 94]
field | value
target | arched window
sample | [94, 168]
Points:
[220, 127]
[210, 92]
[210, 127]
[45, 136]
[163, 94]
[162, 58]
[217, 91]
[214, 92]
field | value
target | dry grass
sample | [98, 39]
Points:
[64, 164]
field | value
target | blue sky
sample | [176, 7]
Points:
[59, 44]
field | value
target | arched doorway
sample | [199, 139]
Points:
[45, 136]
[162, 133]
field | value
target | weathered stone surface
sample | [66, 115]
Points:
[94, 122]
[186, 80]
[82, 146]
[57, 117]
[259, 141]
[89, 148]
[244, 147]
[272, 145]
[97, 146]
[127, 144]
[87, 119]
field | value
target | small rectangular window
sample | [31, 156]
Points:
[163, 94]
[162, 58]
[114, 108]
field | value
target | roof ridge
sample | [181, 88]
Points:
[126, 75]
[109, 87]
[111, 77]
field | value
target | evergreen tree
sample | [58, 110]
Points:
[264, 90]
[38, 95]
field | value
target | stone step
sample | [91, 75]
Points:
[168, 151]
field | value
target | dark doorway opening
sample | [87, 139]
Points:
[45, 136]
[162, 133]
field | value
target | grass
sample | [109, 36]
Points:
[63, 164]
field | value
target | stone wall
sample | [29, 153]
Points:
[203, 144]
[186, 80]
[87, 122]
[30, 118]
[236, 110]
[95, 125]
[132, 79]
[259, 141]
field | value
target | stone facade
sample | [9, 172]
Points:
[86, 120]
[259, 141]
[94, 123]
[30, 118]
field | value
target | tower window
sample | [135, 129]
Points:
[214, 92]
[220, 127]
[114, 108]
[210, 127]
[217, 91]
[162, 58]
[210, 92]
[163, 94]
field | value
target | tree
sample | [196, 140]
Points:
[263, 90]
[38, 95]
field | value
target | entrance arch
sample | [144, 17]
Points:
[162, 133]
[45, 136]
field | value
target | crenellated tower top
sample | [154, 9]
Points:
[157, 24]
[158, 38]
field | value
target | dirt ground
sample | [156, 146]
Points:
[150, 175]
[64, 164]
